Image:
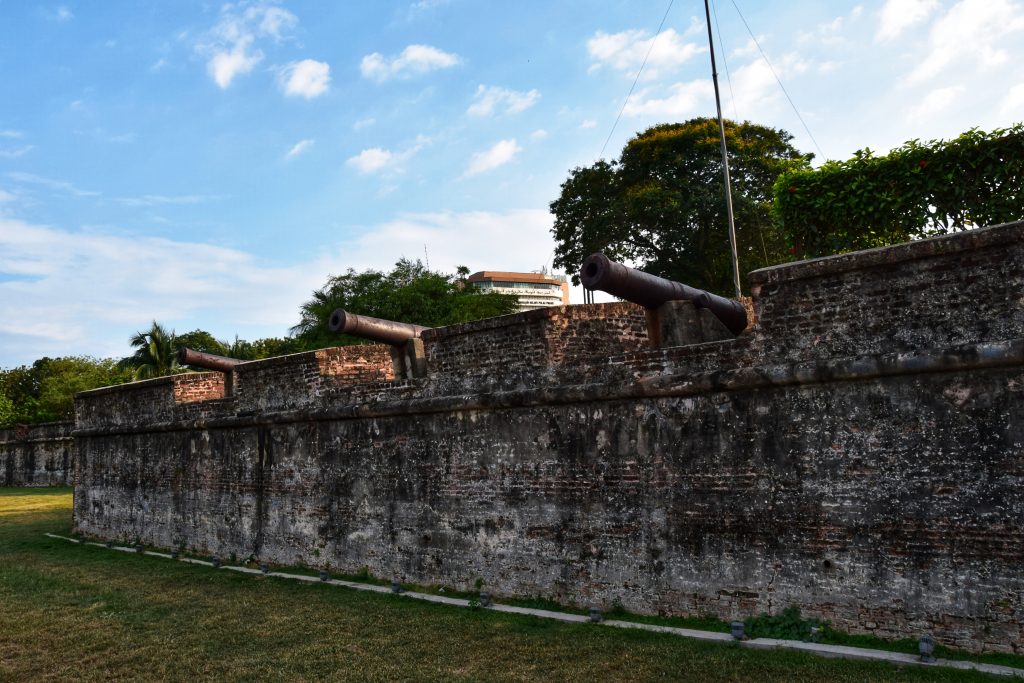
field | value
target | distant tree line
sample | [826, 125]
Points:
[409, 292]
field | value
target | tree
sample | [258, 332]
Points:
[661, 205]
[200, 340]
[45, 391]
[154, 353]
[408, 293]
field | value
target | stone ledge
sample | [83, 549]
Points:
[968, 240]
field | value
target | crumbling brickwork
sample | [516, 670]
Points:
[36, 455]
[856, 453]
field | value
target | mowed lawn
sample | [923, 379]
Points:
[86, 613]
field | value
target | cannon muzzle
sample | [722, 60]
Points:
[651, 291]
[210, 361]
[375, 329]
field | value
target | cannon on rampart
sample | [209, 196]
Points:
[208, 361]
[655, 293]
[404, 338]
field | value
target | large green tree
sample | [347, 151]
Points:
[408, 293]
[661, 205]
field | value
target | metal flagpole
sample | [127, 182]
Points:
[725, 159]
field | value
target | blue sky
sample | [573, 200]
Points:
[209, 165]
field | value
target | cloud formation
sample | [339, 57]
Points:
[497, 155]
[232, 41]
[377, 159]
[899, 15]
[307, 78]
[625, 51]
[298, 148]
[682, 99]
[971, 32]
[414, 60]
[61, 186]
[490, 98]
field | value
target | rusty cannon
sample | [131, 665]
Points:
[653, 293]
[407, 352]
[374, 329]
[209, 361]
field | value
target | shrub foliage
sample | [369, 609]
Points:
[917, 190]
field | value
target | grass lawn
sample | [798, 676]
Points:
[70, 611]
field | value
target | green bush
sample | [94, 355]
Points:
[917, 190]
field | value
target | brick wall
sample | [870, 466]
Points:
[859, 453]
[36, 455]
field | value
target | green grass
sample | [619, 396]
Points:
[72, 611]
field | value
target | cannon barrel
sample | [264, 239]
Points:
[651, 291]
[375, 329]
[210, 361]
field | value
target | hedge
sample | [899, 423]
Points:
[917, 190]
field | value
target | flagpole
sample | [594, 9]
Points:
[725, 159]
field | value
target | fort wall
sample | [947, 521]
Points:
[856, 453]
[36, 455]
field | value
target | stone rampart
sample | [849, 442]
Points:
[36, 455]
[857, 453]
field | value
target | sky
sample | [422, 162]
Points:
[209, 165]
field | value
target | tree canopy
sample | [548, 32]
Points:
[661, 205]
[45, 390]
[408, 293]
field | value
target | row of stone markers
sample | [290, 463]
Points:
[594, 616]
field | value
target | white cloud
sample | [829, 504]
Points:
[231, 43]
[517, 240]
[414, 60]
[499, 154]
[226, 64]
[16, 152]
[934, 103]
[378, 159]
[298, 148]
[970, 32]
[539, 134]
[682, 99]
[588, 123]
[6, 197]
[308, 78]
[625, 51]
[8, 133]
[489, 98]
[899, 15]
[57, 185]
[62, 14]
[363, 123]
[371, 160]
[86, 292]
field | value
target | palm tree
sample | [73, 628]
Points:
[154, 353]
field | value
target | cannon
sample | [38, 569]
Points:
[210, 361]
[407, 353]
[651, 291]
[374, 329]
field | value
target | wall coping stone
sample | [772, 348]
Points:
[967, 240]
[181, 378]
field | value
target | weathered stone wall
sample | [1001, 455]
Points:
[36, 455]
[857, 453]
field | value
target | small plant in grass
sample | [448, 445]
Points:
[788, 625]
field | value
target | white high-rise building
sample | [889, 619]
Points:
[534, 290]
